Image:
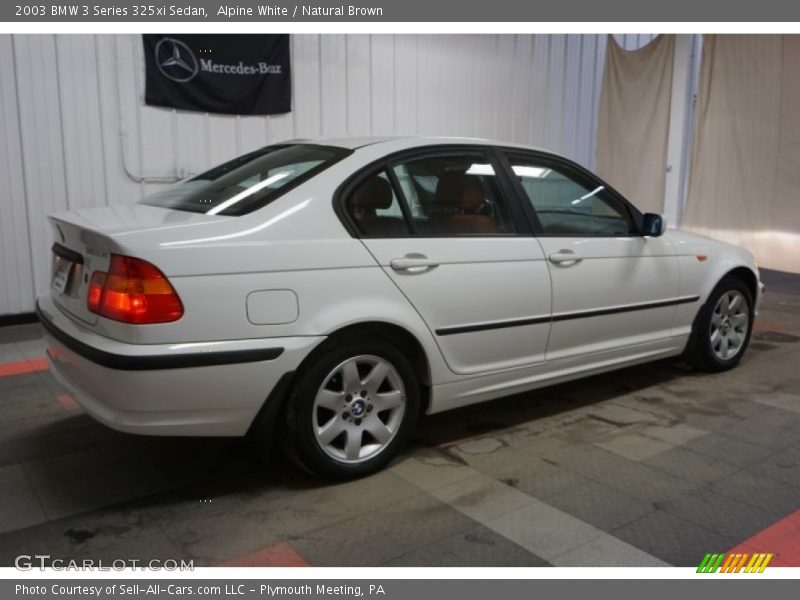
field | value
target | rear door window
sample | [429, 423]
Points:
[453, 195]
[374, 208]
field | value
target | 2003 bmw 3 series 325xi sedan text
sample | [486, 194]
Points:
[326, 293]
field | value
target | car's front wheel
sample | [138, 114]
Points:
[353, 408]
[722, 328]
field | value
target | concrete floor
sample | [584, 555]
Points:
[653, 465]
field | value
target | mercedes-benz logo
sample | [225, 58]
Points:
[175, 60]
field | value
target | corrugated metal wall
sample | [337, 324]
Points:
[74, 132]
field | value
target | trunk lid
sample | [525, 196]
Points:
[76, 254]
[85, 240]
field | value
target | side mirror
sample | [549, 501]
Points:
[653, 225]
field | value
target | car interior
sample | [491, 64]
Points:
[373, 195]
[443, 195]
[564, 207]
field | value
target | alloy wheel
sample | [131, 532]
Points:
[729, 322]
[358, 409]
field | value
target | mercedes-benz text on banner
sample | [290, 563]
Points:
[229, 74]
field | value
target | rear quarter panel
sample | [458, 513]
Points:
[295, 244]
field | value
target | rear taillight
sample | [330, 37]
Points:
[133, 291]
[95, 294]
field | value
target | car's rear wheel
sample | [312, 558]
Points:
[722, 328]
[353, 408]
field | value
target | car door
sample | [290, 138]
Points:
[444, 227]
[613, 288]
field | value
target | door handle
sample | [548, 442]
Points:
[412, 264]
[565, 258]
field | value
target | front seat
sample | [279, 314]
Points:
[371, 196]
[459, 198]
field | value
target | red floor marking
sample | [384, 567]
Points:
[67, 402]
[279, 555]
[781, 538]
[23, 366]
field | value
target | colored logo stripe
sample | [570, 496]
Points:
[734, 562]
[758, 563]
[710, 563]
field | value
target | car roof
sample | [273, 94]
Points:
[350, 143]
[402, 142]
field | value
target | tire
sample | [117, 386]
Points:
[711, 346]
[336, 430]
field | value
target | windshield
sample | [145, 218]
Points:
[248, 182]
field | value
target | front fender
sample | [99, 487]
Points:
[703, 263]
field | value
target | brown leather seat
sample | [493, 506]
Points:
[371, 196]
[458, 198]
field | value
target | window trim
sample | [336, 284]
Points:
[509, 193]
[397, 189]
[576, 173]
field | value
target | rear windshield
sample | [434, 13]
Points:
[248, 182]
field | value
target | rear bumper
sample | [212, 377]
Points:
[201, 389]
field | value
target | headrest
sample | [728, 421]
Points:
[375, 193]
[459, 189]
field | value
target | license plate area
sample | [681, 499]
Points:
[62, 274]
[68, 280]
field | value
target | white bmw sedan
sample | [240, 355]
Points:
[327, 292]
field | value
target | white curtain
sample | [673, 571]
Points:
[633, 125]
[744, 185]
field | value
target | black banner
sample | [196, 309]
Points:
[555, 584]
[229, 74]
